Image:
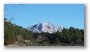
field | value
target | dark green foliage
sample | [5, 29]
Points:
[14, 33]
[68, 37]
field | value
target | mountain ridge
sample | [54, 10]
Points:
[45, 27]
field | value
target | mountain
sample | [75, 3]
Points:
[45, 27]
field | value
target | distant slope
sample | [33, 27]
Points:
[45, 27]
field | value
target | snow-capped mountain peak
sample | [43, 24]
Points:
[45, 27]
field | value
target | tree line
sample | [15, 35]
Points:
[68, 37]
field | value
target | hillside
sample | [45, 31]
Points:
[15, 35]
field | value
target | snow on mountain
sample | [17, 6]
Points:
[45, 27]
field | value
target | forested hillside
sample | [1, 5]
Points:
[15, 35]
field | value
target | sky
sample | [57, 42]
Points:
[65, 15]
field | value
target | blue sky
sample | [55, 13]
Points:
[65, 15]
